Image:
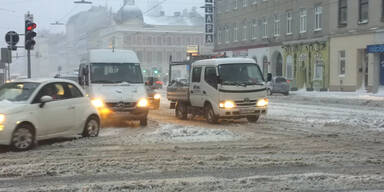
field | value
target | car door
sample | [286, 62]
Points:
[57, 116]
[209, 89]
[196, 94]
[81, 104]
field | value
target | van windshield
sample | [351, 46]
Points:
[241, 74]
[116, 73]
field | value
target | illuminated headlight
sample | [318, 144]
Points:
[227, 105]
[262, 102]
[142, 103]
[2, 118]
[98, 103]
[157, 96]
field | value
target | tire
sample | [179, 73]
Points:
[92, 127]
[269, 92]
[181, 111]
[253, 119]
[144, 121]
[286, 94]
[23, 138]
[210, 114]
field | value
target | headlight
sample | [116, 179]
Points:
[2, 118]
[98, 103]
[262, 102]
[227, 105]
[142, 103]
[157, 96]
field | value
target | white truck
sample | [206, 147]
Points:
[113, 80]
[224, 88]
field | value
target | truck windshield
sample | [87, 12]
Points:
[116, 73]
[240, 74]
[17, 91]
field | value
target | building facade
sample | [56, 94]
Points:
[358, 25]
[285, 37]
[154, 37]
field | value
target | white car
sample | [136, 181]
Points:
[37, 109]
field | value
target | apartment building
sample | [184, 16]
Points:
[285, 37]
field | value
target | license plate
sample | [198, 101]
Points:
[247, 110]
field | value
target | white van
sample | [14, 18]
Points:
[227, 88]
[114, 82]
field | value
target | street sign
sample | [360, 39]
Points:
[209, 21]
[12, 38]
[6, 55]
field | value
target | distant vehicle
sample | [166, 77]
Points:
[114, 81]
[228, 88]
[154, 98]
[37, 109]
[278, 85]
[154, 83]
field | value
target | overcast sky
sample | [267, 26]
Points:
[48, 11]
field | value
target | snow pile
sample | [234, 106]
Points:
[360, 94]
[178, 133]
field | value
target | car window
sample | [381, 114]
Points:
[75, 92]
[55, 90]
[196, 74]
[210, 76]
[280, 80]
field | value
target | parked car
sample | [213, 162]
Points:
[154, 83]
[37, 109]
[278, 85]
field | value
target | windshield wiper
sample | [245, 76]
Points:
[102, 81]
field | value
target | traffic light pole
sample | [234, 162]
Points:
[29, 63]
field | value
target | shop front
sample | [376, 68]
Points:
[306, 65]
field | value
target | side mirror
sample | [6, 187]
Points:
[269, 77]
[219, 80]
[44, 100]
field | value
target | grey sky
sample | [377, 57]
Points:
[48, 11]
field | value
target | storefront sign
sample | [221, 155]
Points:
[375, 48]
[209, 21]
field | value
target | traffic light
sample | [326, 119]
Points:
[30, 34]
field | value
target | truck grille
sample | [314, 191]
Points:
[245, 103]
[121, 106]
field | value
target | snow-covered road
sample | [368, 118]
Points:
[303, 144]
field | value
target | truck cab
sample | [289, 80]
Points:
[114, 82]
[226, 88]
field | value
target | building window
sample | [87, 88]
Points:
[382, 10]
[254, 29]
[342, 63]
[265, 28]
[318, 18]
[276, 28]
[363, 11]
[303, 21]
[226, 35]
[235, 2]
[318, 69]
[343, 7]
[235, 33]
[289, 23]
[245, 3]
[254, 2]
[289, 67]
[245, 30]
[219, 39]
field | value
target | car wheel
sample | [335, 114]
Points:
[269, 92]
[92, 127]
[253, 119]
[210, 114]
[181, 111]
[23, 138]
[144, 121]
[286, 94]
